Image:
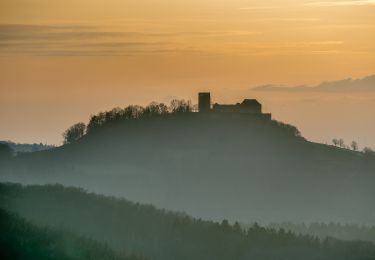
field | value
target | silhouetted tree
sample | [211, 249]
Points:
[337, 230]
[368, 151]
[341, 143]
[137, 112]
[354, 146]
[74, 133]
[180, 106]
[335, 142]
[290, 129]
[155, 109]
[133, 112]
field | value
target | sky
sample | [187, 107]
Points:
[61, 61]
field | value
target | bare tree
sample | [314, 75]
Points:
[155, 109]
[368, 151]
[335, 142]
[133, 112]
[354, 146]
[341, 143]
[74, 133]
[180, 106]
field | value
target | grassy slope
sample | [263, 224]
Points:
[159, 234]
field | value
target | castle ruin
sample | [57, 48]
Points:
[250, 107]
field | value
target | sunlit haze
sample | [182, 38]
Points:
[61, 61]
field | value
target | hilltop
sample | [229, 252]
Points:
[229, 161]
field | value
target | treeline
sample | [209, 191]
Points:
[288, 128]
[132, 112]
[18, 148]
[20, 239]
[339, 142]
[322, 230]
[117, 114]
[10, 149]
[137, 112]
[160, 234]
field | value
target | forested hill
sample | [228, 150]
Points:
[212, 166]
[26, 148]
[20, 239]
[159, 234]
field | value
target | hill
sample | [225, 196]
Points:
[161, 234]
[27, 148]
[19, 239]
[212, 166]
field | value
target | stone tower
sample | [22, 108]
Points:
[204, 102]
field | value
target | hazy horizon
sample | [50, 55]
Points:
[347, 112]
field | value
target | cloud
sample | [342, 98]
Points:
[366, 84]
[56, 40]
[44, 32]
[76, 40]
[61, 40]
[341, 3]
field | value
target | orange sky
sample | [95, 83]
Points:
[61, 61]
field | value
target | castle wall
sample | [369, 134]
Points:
[236, 109]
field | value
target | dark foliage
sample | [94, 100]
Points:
[340, 231]
[159, 234]
[288, 128]
[154, 110]
[74, 133]
[138, 112]
[19, 239]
